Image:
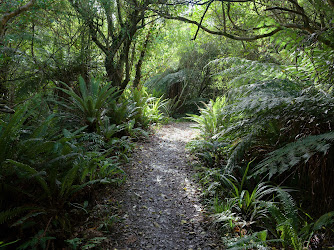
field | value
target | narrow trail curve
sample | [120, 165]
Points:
[161, 202]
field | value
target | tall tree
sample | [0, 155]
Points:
[113, 26]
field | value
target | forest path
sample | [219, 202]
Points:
[160, 200]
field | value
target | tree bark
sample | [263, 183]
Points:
[141, 59]
[7, 16]
[114, 73]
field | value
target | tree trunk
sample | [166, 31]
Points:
[141, 59]
[114, 72]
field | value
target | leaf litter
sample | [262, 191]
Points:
[160, 201]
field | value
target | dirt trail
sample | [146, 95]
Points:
[160, 200]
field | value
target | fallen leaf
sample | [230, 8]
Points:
[156, 225]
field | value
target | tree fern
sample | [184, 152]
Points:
[286, 157]
[261, 109]
[236, 72]
[162, 83]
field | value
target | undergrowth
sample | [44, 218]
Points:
[269, 130]
[56, 151]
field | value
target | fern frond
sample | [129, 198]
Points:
[11, 213]
[241, 71]
[26, 217]
[162, 82]
[237, 153]
[284, 158]
[67, 182]
[27, 172]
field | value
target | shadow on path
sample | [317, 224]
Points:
[161, 202]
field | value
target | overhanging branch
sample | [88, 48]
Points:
[202, 18]
[7, 16]
[219, 33]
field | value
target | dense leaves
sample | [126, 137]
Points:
[50, 165]
[284, 128]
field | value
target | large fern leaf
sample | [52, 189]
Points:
[283, 159]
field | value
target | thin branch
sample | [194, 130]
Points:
[220, 33]
[204, 3]
[120, 20]
[285, 9]
[7, 16]
[302, 13]
[224, 16]
[229, 17]
[200, 23]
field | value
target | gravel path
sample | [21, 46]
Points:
[160, 200]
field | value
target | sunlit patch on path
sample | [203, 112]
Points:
[161, 204]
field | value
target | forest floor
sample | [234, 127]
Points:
[160, 201]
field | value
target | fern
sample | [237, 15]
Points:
[162, 82]
[257, 240]
[287, 220]
[10, 130]
[262, 110]
[211, 118]
[237, 71]
[325, 220]
[9, 214]
[28, 216]
[26, 172]
[283, 159]
[92, 99]
[67, 182]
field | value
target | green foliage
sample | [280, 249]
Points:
[264, 120]
[39, 240]
[282, 159]
[289, 225]
[10, 130]
[51, 168]
[283, 120]
[287, 220]
[257, 240]
[161, 83]
[144, 108]
[93, 98]
[79, 243]
[211, 152]
[274, 104]
[235, 71]
[211, 119]
[246, 205]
